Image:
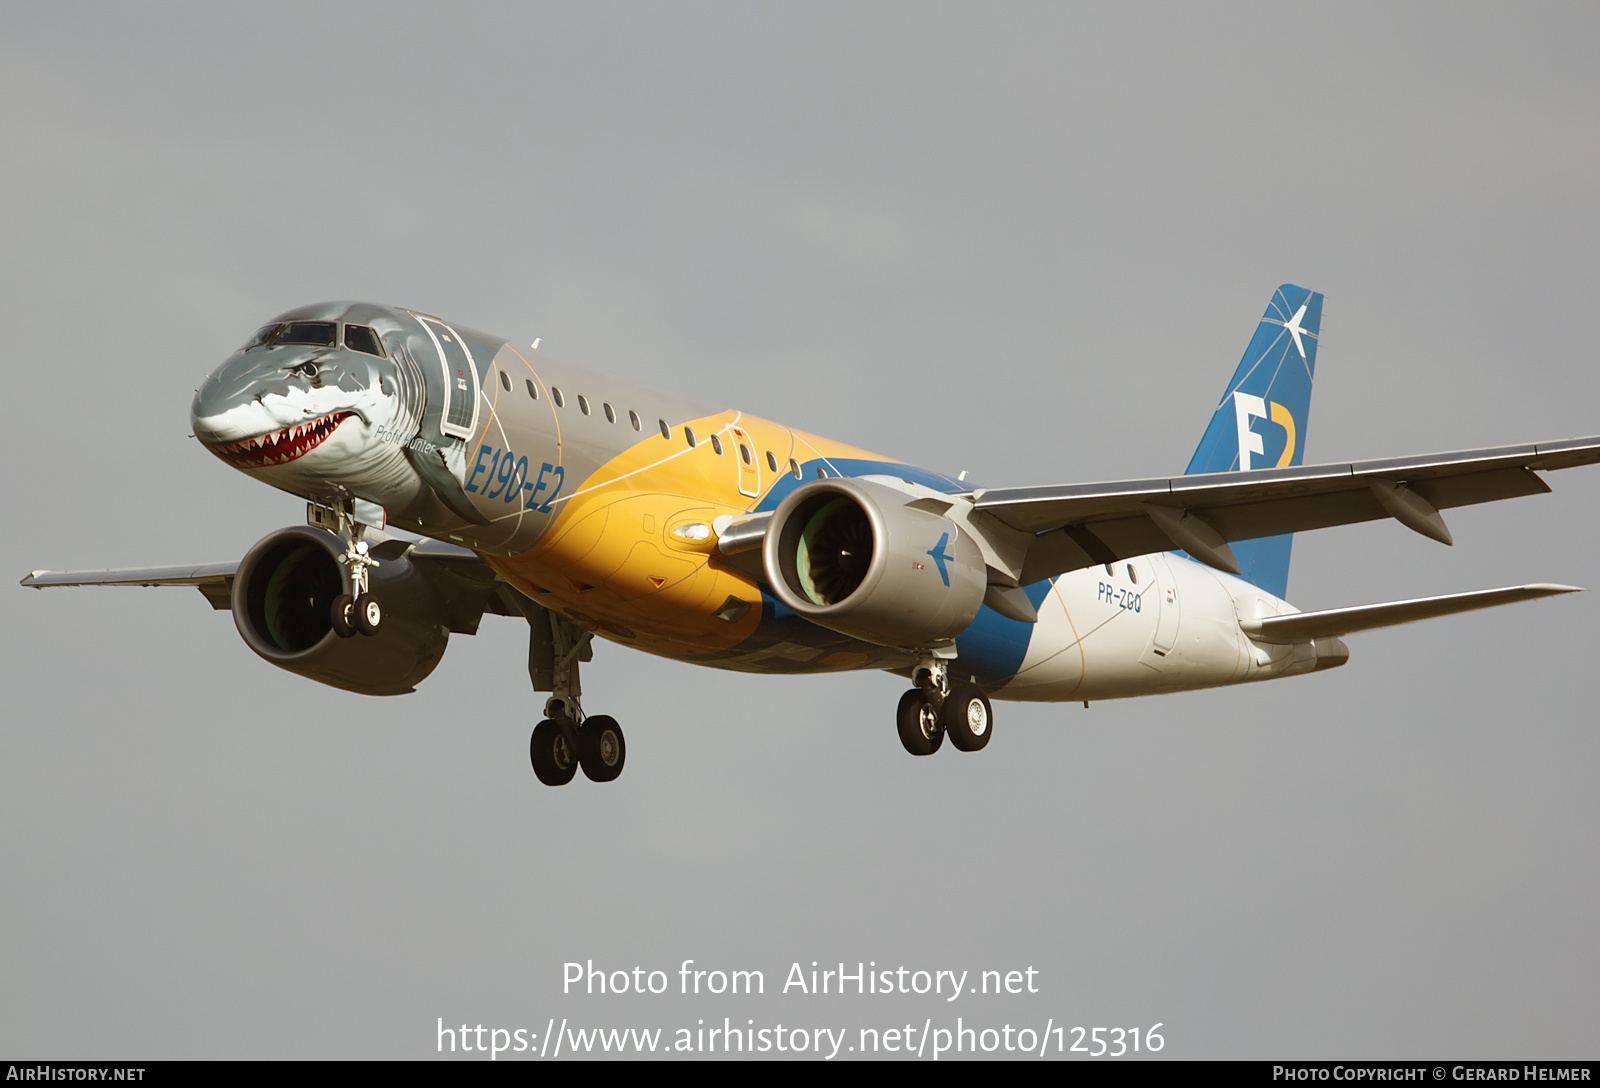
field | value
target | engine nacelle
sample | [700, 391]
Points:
[860, 558]
[283, 606]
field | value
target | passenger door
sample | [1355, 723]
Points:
[460, 408]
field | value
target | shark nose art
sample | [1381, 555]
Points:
[279, 447]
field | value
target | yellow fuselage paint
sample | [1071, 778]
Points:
[612, 561]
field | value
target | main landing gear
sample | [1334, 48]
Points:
[940, 704]
[567, 740]
[357, 610]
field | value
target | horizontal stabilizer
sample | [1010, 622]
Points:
[1305, 626]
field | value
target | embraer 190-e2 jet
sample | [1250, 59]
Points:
[591, 506]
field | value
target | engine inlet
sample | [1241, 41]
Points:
[834, 551]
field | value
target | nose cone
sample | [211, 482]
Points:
[224, 405]
[267, 407]
[249, 394]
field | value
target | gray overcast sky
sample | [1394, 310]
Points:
[1025, 241]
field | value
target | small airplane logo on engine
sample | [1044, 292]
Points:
[937, 553]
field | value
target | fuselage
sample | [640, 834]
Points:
[603, 500]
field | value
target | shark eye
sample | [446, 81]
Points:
[306, 369]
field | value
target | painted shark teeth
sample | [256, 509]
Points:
[279, 447]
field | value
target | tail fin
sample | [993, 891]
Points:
[1262, 419]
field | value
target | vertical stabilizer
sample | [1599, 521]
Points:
[1262, 418]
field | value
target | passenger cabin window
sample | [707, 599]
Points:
[583, 404]
[611, 413]
[744, 454]
[533, 390]
[794, 468]
[716, 444]
[361, 338]
[772, 462]
[666, 432]
[315, 333]
[633, 417]
[505, 381]
[689, 435]
[555, 395]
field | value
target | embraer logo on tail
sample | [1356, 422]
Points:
[1293, 325]
[1247, 406]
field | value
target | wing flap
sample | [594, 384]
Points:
[1475, 487]
[1304, 512]
[1305, 626]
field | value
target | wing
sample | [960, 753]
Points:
[215, 580]
[1084, 525]
[468, 586]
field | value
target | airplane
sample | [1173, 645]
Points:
[451, 474]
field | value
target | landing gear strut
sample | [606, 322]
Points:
[356, 610]
[567, 739]
[941, 704]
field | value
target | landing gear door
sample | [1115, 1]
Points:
[460, 414]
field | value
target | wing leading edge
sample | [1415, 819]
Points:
[466, 581]
[1084, 525]
[215, 580]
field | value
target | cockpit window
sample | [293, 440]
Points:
[361, 338]
[317, 333]
[263, 336]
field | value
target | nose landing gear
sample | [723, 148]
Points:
[356, 610]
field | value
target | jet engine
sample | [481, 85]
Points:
[283, 600]
[874, 563]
